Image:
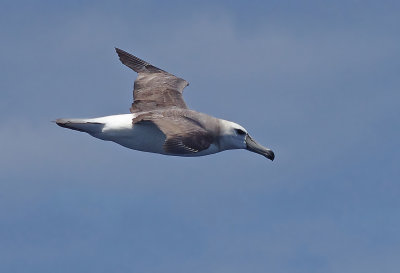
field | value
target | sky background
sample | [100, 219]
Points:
[318, 82]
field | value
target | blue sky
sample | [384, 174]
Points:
[316, 82]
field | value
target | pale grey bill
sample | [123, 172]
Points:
[253, 146]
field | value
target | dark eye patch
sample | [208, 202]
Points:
[240, 132]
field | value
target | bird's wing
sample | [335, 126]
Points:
[154, 88]
[183, 134]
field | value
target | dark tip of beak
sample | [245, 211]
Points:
[253, 146]
[270, 155]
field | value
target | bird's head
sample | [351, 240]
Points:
[234, 136]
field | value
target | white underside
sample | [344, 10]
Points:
[142, 137]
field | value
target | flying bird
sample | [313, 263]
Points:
[160, 122]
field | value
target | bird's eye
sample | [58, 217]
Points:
[240, 132]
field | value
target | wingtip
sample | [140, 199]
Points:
[118, 51]
[122, 52]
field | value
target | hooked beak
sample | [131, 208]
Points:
[253, 146]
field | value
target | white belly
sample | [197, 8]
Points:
[144, 137]
[139, 137]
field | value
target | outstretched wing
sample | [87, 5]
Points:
[154, 88]
[183, 134]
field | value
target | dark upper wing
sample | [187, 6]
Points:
[183, 134]
[154, 88]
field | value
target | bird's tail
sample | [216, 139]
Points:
[82, 125]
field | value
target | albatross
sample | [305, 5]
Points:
[160, 122]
